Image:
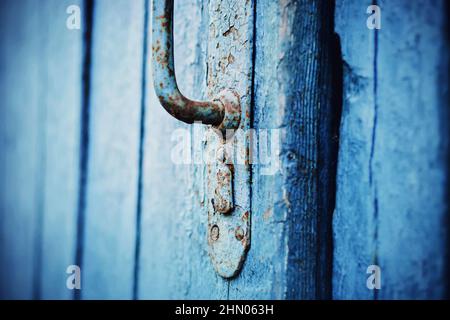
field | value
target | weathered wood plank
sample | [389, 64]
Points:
[45, 63]
[290, 253]
[63, 55]
[264, 273]
[174, 261]
[21, 146]
[112, 185]
[411, 149]
[392, 181]
[353, 221]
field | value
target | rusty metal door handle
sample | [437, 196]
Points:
[229, 213]
[223, 112]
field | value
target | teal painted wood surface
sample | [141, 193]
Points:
[392, 198]
[62, 61]
[21, 143]
[112, 179]
[39, 158]
[353, 225]
[413, 207]
[87, 174]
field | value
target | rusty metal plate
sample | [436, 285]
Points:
[230, 50]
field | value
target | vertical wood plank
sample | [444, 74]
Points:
[63, 50]
[21, 145]
[354, 222]
[290, 253]
[393, 164]
[43, 64]
[115, 106]
[264, 272]
[411, 149]
[174, 262]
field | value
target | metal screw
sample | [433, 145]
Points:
[214, 233]
[239, 233]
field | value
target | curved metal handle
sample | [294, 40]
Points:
[222, 112]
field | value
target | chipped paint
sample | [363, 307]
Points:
[230, 49]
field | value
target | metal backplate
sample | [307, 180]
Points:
[230, 50]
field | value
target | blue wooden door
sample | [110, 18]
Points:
[351, 151]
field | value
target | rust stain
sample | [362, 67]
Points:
[239, 233]
[231, 59]
[233, 31]
[267, 214]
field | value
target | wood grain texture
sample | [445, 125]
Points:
[290, 253]
[174, 261]
[112, 184]
[392, 181]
